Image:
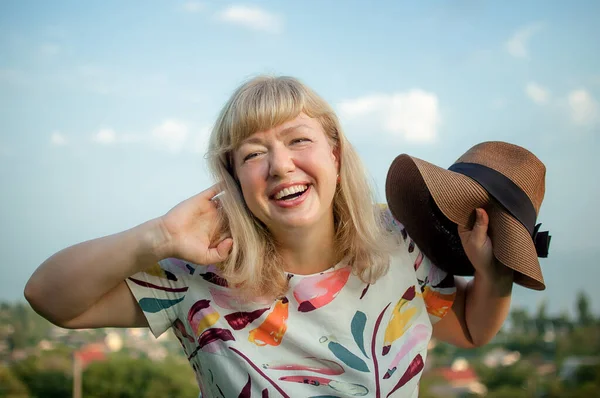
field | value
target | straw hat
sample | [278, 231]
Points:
[504, 179]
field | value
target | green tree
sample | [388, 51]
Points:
[29, 328]
[10, 385]
[46, 375]
[520, 321]
[516, 376]
[583, 309]
[125, 377]
[509, 392]
[541, 319]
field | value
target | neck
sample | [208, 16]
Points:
[307, 251]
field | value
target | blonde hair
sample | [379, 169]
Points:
[253, 264]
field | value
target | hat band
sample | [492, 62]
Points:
[503, 190]
[509, 195]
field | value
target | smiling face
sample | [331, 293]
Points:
[288, 175]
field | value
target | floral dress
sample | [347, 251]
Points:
[331, 335]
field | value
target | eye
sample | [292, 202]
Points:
[251, 156]
[299, 140]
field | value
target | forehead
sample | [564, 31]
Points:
[300, 122]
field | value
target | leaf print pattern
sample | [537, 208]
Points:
[310, 364]
[373, 341]
[419, 334]
[418, 261]
[438, 303]
[357, 327]
[178, 266]
[212, 335]
[402, 315]
[324, 396]
[272, 330]
[343, 354]
[247, 390]
[319, 290]
[365, 290]
[158, 271]
[202, 316]
[413, 369]
[212, 276]
[181, 331]
[352, 389]
[239, 320]
[157, 287]
[260, 372]
[225, 298]
[154, 305]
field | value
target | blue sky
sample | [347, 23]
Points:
[105, 106]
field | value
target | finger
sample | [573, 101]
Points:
[219, 253]
[478, 214]
[479, 231]
[212, 191]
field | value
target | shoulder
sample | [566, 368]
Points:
[437, 286]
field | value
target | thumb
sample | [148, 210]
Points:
[478, 234]
[219, 253]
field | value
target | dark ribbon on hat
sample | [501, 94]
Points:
[509, 195]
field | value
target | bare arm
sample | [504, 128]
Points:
[481, 305]
[478, 312]
[83, 285]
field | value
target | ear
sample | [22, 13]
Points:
[335, 152]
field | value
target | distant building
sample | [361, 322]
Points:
[501, 357]
[460, 379]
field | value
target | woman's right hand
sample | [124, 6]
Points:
[191, 230]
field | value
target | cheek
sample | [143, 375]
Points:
[250, 185]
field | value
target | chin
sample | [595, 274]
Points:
[299, 222]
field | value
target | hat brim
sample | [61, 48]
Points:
[424, 197]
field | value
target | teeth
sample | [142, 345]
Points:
[290, 190]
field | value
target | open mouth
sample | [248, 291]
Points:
[291, 193]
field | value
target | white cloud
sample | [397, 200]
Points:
[584, 108]
[252, 17]
[58, 139]
[171, 135]
[193, 6]
[517, 45]
[537, 93]
[105, 137]
[413, 115]
[50, 49]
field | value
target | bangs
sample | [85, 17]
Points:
[262, 104]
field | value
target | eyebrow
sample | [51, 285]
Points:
[258, 141]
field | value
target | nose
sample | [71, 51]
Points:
[281, 162]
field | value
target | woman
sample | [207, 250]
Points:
[283, 279]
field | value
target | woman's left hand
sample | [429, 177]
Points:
[478, 247]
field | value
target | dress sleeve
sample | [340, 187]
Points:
[437, 286]
[159, 290]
